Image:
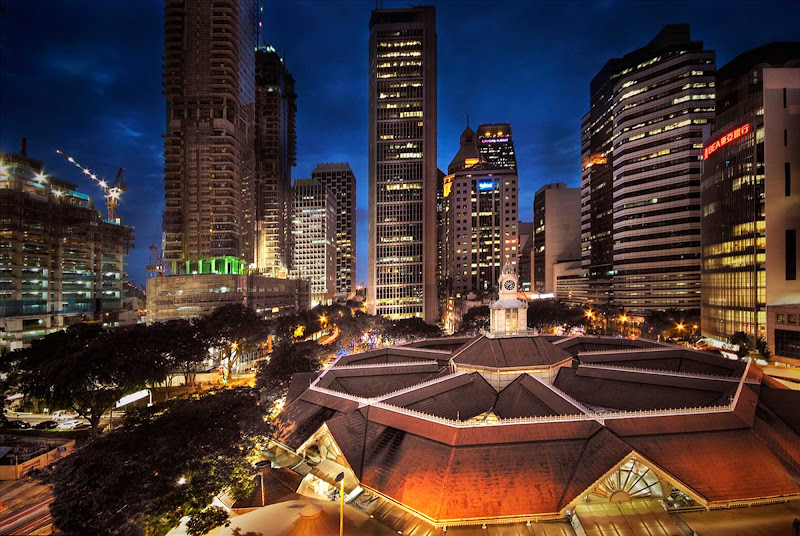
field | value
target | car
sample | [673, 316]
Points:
[64, 415]
[46, 425]
[18, 425]
[70, 425]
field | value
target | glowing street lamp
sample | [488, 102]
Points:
[340, 480]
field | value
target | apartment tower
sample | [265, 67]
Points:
[402, 163]
[275, 155]
[342, 182]
[208, 73]
[641, 164]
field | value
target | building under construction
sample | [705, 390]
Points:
[60, 262]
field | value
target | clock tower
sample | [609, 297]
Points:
[509, 314]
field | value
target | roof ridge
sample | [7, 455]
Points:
[465, 347]
[416, 386]
[379, 365]
[677, 373]
[562, 394]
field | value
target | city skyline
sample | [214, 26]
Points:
[94, 91]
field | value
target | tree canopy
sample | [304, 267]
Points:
[84, 367]
[287, 358]
[164, 463]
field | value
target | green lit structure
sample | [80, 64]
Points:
[215, 265]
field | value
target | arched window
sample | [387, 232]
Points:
[634, 480]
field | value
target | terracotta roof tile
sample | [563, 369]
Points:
[510, 352]
[462, 398]
[785, 403]
[720, 466]
[676, 360]
[299, 383]
[595, 344]
[630, 395]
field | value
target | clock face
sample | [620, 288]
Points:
[508, 285]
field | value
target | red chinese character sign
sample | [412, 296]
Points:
[725, 139]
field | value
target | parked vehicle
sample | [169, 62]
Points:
[70, 425]
[46, 425]
[18, 425]
[64, 415]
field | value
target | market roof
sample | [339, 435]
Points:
[510, 352]
[546, 445]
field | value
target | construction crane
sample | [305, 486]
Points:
[156, 266]
[111, 193]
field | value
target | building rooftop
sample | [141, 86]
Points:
[452, 450]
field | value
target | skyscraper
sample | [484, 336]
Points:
[556, 232]
[314, 237]
[402, 163]
[496, 146]
[275, 155]
[642, 145]
[736, 252]
[208, 145]
[341, 180]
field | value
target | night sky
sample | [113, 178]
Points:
[84, 76]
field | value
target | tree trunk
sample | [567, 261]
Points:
[94, 420]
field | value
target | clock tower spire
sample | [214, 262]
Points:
[509, 314]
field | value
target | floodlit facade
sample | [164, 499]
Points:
[641, 165]
[61, 263]
[208, 81]
[402, 163]
[342, 181]
[275, 155]
[496, 145]
[736, 252]
[556, 232]
[314, 238]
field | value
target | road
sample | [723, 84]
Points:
[26, 507]
[36, 418]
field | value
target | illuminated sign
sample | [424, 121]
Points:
[725, 139]
[485, 185]
[494, 140]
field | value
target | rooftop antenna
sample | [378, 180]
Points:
[467, 119]
[260, 22]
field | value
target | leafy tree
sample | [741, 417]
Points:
[546, 313]
[762, 348]
[84, 367]
[411, 328]
[475, 320]
[744, 341]
[287, 358]
[166, 462]
[233, 329]
[182, 349]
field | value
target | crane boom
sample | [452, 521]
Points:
[111, 193]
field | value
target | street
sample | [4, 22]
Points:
[25, 507]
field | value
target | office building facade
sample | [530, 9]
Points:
[61, 262]
[641, 164]
[480, 225]
[208, 74]
[525, 257]
[275, 155]
[556, 232]
[736, 252]
[402, 163]
[342, 182]
[496, 145]
[314, 238]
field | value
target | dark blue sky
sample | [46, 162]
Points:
[84, 76]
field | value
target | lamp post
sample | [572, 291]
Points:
[340, 480]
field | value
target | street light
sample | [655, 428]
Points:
[340, 480]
